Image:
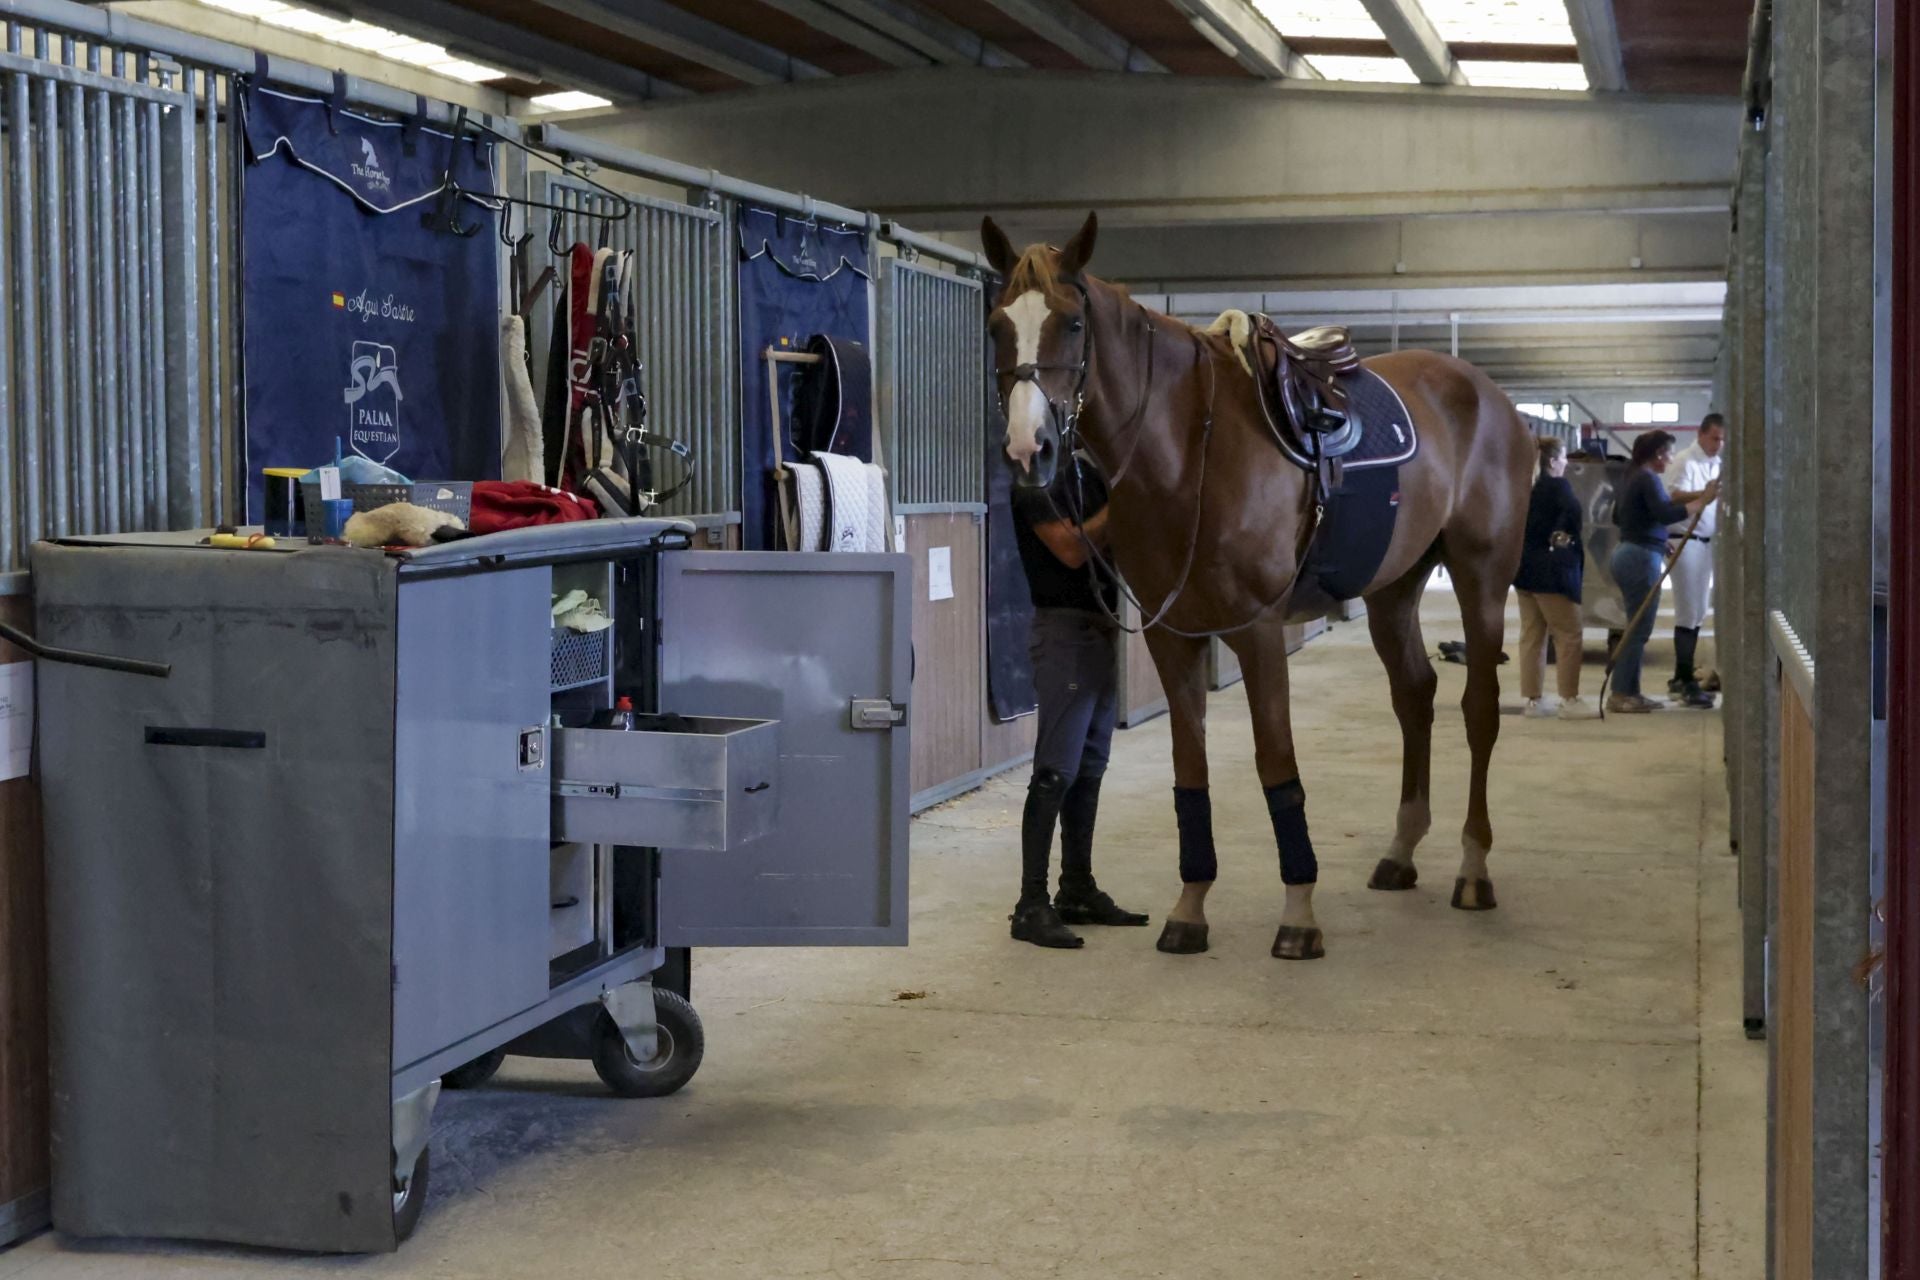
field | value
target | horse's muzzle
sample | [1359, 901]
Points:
[1040, 469]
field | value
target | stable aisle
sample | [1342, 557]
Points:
[1559, 1088]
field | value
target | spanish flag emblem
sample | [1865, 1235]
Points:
[340, 300]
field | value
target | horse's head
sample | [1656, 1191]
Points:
[1042, 347]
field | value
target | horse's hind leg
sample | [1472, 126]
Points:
[1483, 615]
[1182, 664]
[1263, 662]
[1393, 620]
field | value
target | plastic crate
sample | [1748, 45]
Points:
[581, 657]
[452, 497]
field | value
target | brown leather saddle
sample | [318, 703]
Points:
[1298, 379]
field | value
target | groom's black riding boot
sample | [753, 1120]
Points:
[1686, 641]
[1080, 900]
[1034, 919]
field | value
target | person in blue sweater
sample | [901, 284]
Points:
[1549, 589]
[1643, 510]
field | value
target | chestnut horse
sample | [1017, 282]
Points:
[1209, 524]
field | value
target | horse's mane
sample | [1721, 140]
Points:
[1038, 268]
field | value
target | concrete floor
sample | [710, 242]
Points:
[1556, 1089]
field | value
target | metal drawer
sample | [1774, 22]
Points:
[704, 784]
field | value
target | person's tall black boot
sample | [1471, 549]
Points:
[1686, 642]
[1034, 919]
[1080, 900]
[1685, 685]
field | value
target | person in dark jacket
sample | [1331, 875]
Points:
[1549, 589]
[1076, 678]
[1643, 510]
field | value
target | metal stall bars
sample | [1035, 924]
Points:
[686, 319]
[119, 250]
[99, 385]
[932, 353]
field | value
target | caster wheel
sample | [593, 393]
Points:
[679, 1047]
[410, 1201]
[475, 1073]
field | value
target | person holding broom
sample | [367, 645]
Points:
[1643, 510]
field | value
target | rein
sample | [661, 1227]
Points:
[1097, 560]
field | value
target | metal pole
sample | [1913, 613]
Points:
[55, 455]
[178, 274]
[30, 282]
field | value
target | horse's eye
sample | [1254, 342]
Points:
[1076, 324]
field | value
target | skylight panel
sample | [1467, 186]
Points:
[1376, 70]
[1500, 21]
[1325, 19]
[1526, 75]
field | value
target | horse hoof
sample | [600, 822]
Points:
[1296, 943]
[1180, 938]
[1388, 874]
[1473, 895]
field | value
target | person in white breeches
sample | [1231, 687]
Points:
[1689, 475]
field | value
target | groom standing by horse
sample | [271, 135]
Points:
[1076, 680]
[1236, 497]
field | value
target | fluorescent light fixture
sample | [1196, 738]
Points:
[571, 100]
[1525, 75]
[305, 21]
[1500, 21]
[247, 8]
[1329, 19]
[1375, 70]
[362, 35]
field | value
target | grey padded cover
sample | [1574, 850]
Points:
[221, 917]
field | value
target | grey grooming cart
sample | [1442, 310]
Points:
[373, 831]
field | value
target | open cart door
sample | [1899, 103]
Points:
[822, 644]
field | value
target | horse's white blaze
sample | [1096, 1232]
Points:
[1026, 404]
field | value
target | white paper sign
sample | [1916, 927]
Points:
[939, 573]
[900, 534]
[329, 483]
[16, 718]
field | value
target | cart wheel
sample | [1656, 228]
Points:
[679, 1046]
[410, 1201]
[475, 1073]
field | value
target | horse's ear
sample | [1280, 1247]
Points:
[999, 249]
[1079, 250]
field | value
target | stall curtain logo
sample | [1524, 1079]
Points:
[368, 169]
[369, 308]
[373, 401]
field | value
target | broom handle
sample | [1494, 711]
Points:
[1614, 655]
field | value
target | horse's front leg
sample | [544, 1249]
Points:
[1182, 664]
[1263, 663]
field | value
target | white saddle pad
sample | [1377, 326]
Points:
[857, 503]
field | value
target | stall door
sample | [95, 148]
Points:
[802, 639]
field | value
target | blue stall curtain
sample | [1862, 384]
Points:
[797, 279]
[363, 323]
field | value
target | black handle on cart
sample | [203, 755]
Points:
[78, 658]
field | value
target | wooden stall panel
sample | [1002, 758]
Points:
[24, 1172]
[1793, 1012]
[948, 682]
